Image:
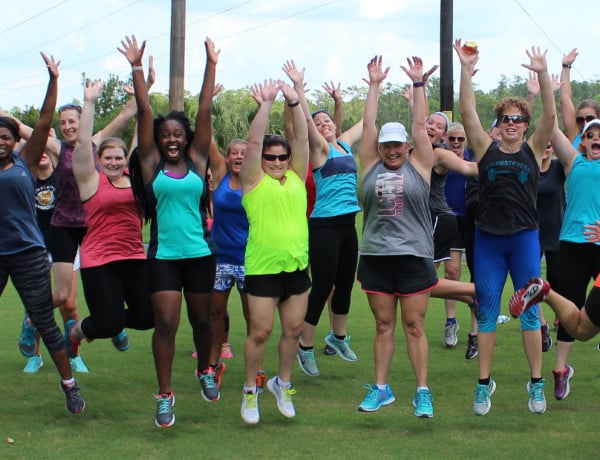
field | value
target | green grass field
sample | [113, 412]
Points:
[119, 419]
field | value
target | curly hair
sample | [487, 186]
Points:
[12, 125]
[181, 118]
[516, 102]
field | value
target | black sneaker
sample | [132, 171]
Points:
[164, 410]
[75, 403]
[210, 389]
[329, 350]
[472, 350]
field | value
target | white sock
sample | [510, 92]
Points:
[283, 383]
[422, 388]
[381, 387]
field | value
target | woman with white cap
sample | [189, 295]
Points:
[396, 255]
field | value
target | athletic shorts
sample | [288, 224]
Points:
[195, 276]
[396, 275]
[64, 242]
[226, 275]
[282, 285]
[445, 233]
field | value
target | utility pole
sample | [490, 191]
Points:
[446, 54]
[176, 74]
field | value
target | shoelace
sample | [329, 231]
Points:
[287, 393]
[164, 405]
[373, 392]
[251, 400]
[537, 392]
[481, 393]
[208, 380]
[424, 398]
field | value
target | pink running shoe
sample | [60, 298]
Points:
[226, 351]
[533, 293]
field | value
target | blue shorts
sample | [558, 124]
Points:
[227, 274]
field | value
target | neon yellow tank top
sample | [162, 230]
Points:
[278, 235]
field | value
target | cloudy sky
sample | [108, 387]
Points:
[333, 39]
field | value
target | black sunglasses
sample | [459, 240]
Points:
[592, 134]
[456, 138]
[516, 119]
[582, 120]
[270, 157]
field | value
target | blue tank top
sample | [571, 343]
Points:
[18, 223]
[230, 224]
[336, 183]
[456, 189]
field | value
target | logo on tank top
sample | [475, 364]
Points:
[389, 188]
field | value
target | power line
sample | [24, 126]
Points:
[562, 53]
[35, 16]
[45, 43]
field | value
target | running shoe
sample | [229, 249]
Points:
[260, 382]
[121, 341]
[250, 413]
[533, 293]
[210, 390]
[341, 346]
[34, 364]
[451, 335]
[472, 350]
[546, 338]
[27, 338]
[72, 344]
[77, 365]
[537, 400]
[422, 402]
[562, 385]
[483, 401]
[219, 370]
[75, 403]
[283, 397]
[226, 351]
[164, 410]
[376, 398]
[328, 351]
[307, 362]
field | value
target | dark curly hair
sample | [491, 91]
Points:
[10, 124]
[181, 118]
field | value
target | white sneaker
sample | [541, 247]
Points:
[451, 335]
[283, 397]
[249, 409]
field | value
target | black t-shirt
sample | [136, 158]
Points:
[551, 205]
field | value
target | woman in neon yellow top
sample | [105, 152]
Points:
[274, 197]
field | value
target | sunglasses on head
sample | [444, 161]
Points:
[456, 138]
[516, 119]
[270, 157]
[582, 120]
[592, 134]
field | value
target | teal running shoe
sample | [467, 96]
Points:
[27, 338]
[537, 400]
[307, 362]
[483, 401]
[342, 347]
[422, 402]
[164, 410]
[121, 341]
[376, 398]
[34, 364]
[77, 365]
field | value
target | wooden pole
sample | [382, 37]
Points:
[177, 70]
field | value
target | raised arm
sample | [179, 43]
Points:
[543, 131]
[84, 169]
[319, 148]
[33, 150]
[367, 152]
[479, 141]
[252, 172]
[563, 148]
[147, 149]
[299, 159]
[203, 128]
[129, 90]
[567, 108]
[338, 105]
[422, 155]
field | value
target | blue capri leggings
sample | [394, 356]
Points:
[496, 256]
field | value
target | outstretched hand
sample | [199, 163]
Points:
[51, 64]
[212, 54]
[466, 59]
[93, 90]
[290, 69]
[537, 59]
[131, 50]
[218, 88]
[334, 91]
[376, 72]
[289, 93]
[414, 69]
[569, 58]
[151, 73]
[266, 91]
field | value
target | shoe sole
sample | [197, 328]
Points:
[339, 351]
[304, 369]
[386, 403]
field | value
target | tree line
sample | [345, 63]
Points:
[233, 110]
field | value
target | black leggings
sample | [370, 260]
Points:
[333, 250]
[30, 274]
[106, 288]
[579, 263]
